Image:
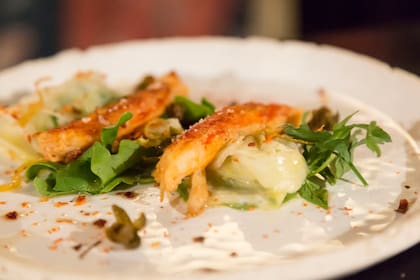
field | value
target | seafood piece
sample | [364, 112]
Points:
[65, 143]
[190, 153]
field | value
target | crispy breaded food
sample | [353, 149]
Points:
[65, 143]
[190, 153]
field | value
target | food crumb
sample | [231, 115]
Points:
[265, 236]
[165, 234]
[12, 215]
[407, 186]
[3, 202]
[43, 199]
[233, 254]
[198, 239]
[100, 223]
[403, 206]
[77, 247]
[24, 233]
[128, 194]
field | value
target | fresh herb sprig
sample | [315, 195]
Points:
[329, 154]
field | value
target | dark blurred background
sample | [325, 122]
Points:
[386, 29]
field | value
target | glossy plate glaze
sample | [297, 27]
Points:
[297, 241]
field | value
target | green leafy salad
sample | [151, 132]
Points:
[253, 172]
[101, 168]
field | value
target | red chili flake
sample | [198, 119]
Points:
[54, 246]
[60, 204]
[128, 194]
[43, 199]
[233, 254]
[198, 239]
[25, 204]
[12, 215]
[64, 220]
[80, 200]
[252, 144]
[403, 206]
[155, 244]
[3, 202]
[53, 229]
[100, 223]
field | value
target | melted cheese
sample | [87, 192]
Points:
[260, 174]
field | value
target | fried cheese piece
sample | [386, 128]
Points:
[190, 153]
[65, 143]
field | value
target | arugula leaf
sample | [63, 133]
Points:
[312, 192]
[188, 112]
[109, 134]
[97, 170]
[329, 154]
[184, 189]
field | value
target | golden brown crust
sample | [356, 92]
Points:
[199, 145]
[65, 143]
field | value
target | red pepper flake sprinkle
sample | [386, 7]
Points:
[198, 239]
[60, 204]
[100, 223]
[43, 199]
[80, 200]
[129, 195]
[54, 246]
[233, 254]
[25, 204]
[252, 144]
[64, 220]
[155, 244]
[53, 229]
[12, 215]
[403, 206]
[3, 202]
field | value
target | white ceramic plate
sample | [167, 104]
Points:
[295, 241]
